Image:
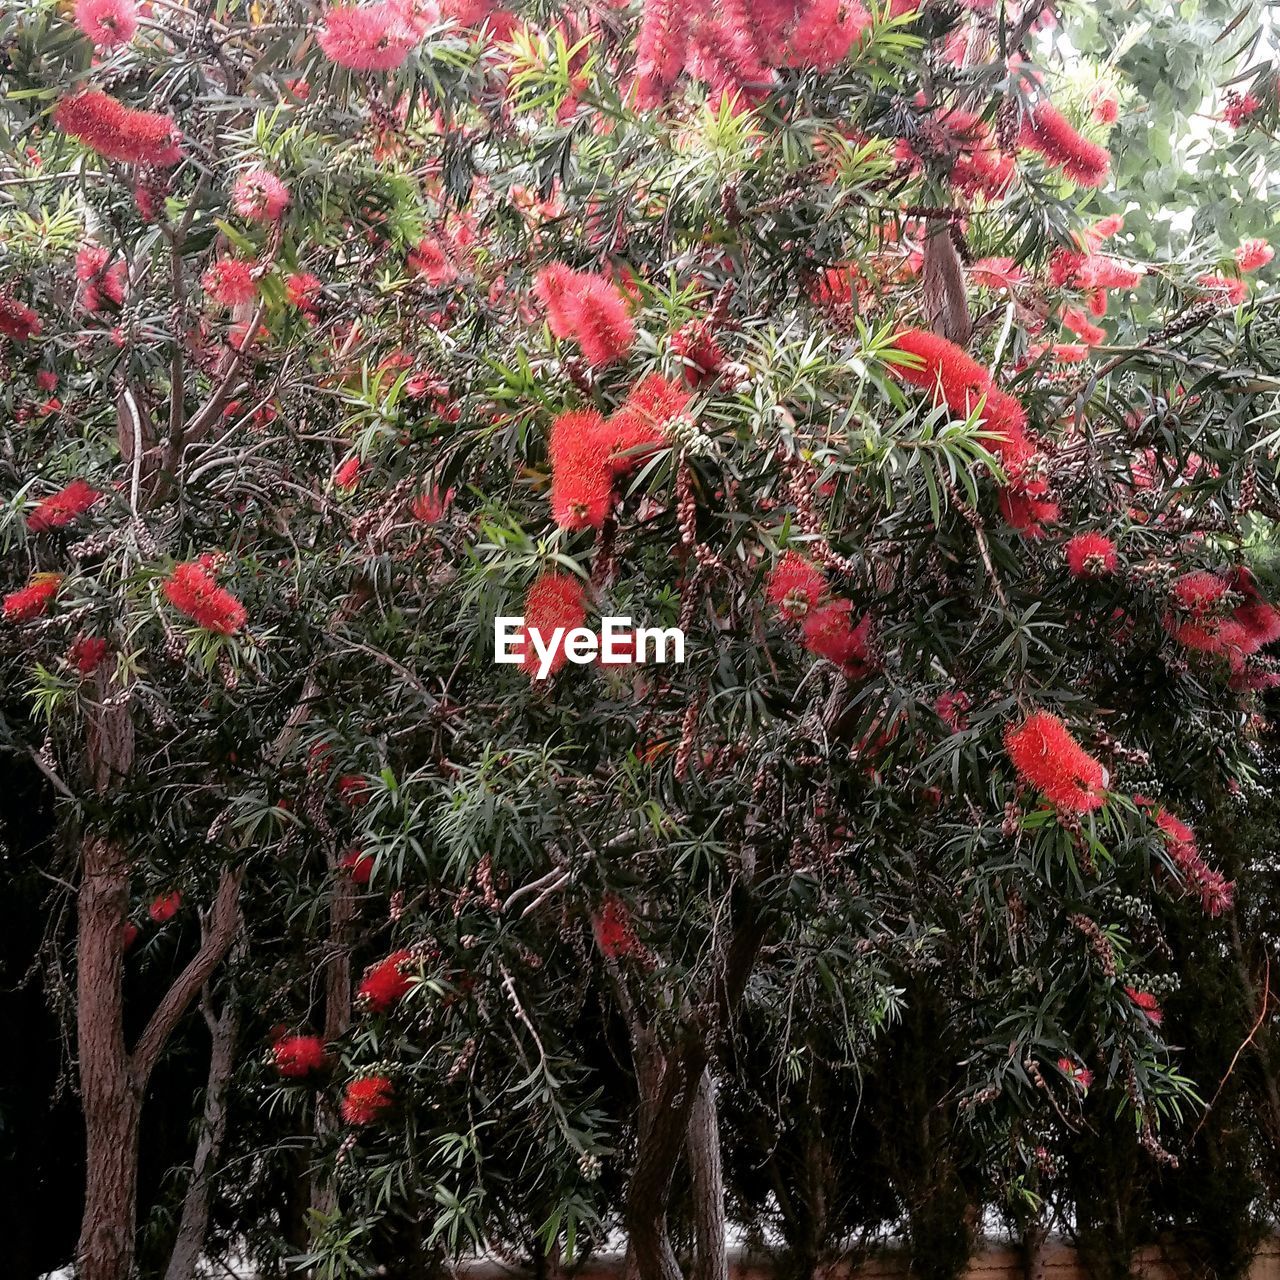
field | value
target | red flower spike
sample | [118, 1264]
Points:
[1089, 555]
[33, 600]
[86, 654]
[17, 321]
[385, 984]
[1049, 759]
[358, 865]
[795, 586]
[165, 907]
[118, 132]
[61, 508]
[612, 928]
[1048, 132]
[298, 1056]
[830, 632]
[1145, 1001]
[587, 308]
[367, 37]
[555, 600]
[367, 1099]
[191, 590]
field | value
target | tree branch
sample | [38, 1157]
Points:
[224, 923]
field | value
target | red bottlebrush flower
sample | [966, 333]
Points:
[1200, 591]
[101, 278]
[17, 321]
[1104, 229]
[347, 474]
[1145, 1001]
[1090, 555]
[1078, 323]
[1049, 759]
[581, 473]
[1240, 108]
[953, 709]
[641, 423]
[612, 928]
[795, 586]
[303, 291]
[830, 632]
[1253, 254]
[107, 22]
[59, 509]
[662, 47]
[1216, 893]
[1227, 291]
[725, 53]
[229, 282]
[553, 287]
[1027, 514]
[942, 367]
[1069, 352]
[353, 790]
[1259, 619]
[700, 354]
[588, 308]
[836, 287]
[47, 380]
[86, 654]
[165, 907]
[385, 984]
[824, 32]
[1104, 104]
[997, 273]
[298, 1056]
[987, 172]
[129, 934]
[191, 590]
[555, 600]
[117, 132]
[603, 327]
[260, 196]
[430, 506]
[1049, 133]
[960, 382]
[34, 599]
[431, 260]
[358, 865]
[1077, 1075]
[366, 1099]
[1064, 265]
[370, 37]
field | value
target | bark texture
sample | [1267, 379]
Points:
[711, 1258]
[224, 1030]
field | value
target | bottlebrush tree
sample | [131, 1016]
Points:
[332, 336]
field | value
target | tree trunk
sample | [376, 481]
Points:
[1035, 1258]
[111, 1098]
[711, 1259]
[337, 1017]
[189, 1245]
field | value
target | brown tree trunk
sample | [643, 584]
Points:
[946, 306]
[711, 1259]
[194, 1226]
[1035, 1257]
[110, 1096]
[337, 1016]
